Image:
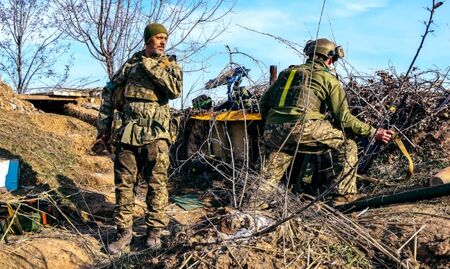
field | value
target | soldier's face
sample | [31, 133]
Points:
[157, 44]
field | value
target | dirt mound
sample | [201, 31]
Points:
[51, 249]
[9, 101]
[54, 154]
[53, 150]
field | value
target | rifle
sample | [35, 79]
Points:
[374, 147]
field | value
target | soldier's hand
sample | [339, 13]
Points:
[102, 144]
[106, 139]
[384, 135]
[98, 148]
[164, 63]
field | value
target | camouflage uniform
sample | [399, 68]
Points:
[293, 109]
[137, 96]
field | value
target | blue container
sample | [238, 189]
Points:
[9, 174]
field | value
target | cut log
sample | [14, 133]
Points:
[443, 177]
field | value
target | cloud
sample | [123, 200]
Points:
[276, 22]
[345, 8]
[259, 20]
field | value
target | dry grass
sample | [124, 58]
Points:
[50, 147]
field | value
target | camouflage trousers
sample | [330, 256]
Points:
[313, 136]
[152, 160]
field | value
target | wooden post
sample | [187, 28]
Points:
[273, 74]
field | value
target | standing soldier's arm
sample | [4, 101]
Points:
[106, 110]
[166, 74]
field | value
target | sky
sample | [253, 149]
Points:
[375, 34]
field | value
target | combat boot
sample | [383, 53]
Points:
[153, 241]
[123, 241]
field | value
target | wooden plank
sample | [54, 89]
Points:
[28, 97]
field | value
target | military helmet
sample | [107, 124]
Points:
[324, 47]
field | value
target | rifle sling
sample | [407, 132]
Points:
[405, 152]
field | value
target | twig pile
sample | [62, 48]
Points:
[422, 102]
[417, 107]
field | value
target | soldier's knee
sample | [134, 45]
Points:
[351, 144]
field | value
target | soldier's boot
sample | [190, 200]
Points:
[122, 242]
[153, 241]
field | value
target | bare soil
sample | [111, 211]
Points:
[395, 225]
[55, 154]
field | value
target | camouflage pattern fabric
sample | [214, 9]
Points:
[137, 99]
[294, 112]
[141, 90]
[314, 136]
[324, 86]
[153, 161]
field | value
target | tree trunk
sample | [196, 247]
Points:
[20, 85]
[109, 66]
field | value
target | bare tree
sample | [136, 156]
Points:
[29, 43]
[192, 25]
[113, 29]
[107, 27]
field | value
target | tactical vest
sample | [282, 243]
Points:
[138, 86]
[144, 107]
[293, 90]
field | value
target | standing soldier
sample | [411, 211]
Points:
[293, 109]
[137, 97]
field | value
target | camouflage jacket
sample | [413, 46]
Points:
[137, 99]
[326, 89]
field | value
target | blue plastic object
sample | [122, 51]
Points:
[238, 74]
[9, 174]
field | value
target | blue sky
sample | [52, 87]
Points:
[375, 34]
